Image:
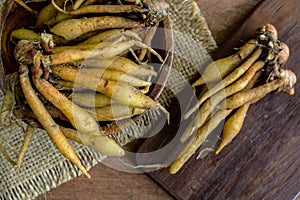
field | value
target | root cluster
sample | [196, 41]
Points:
[244, 78]
[82, 66]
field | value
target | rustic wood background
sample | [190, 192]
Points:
[223, 17]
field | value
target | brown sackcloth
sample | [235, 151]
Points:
[44, 167]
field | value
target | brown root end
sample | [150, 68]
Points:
[284, 53]
[289, 80]
[270, 31]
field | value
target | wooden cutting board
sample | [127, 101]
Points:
[262, 162]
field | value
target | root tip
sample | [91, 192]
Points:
[173, 170]
[121, 153]
[87, 174]
[219, 149]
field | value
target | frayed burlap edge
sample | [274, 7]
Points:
[50, 177]
[44, 168]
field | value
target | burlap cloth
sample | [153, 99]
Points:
[45, 168]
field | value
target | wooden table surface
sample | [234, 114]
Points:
[223, 16]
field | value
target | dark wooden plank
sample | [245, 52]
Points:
[109, 184]
[263, 161]
[224, 16]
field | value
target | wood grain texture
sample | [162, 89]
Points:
[224, 16]
[263, 161]
[107, 183]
